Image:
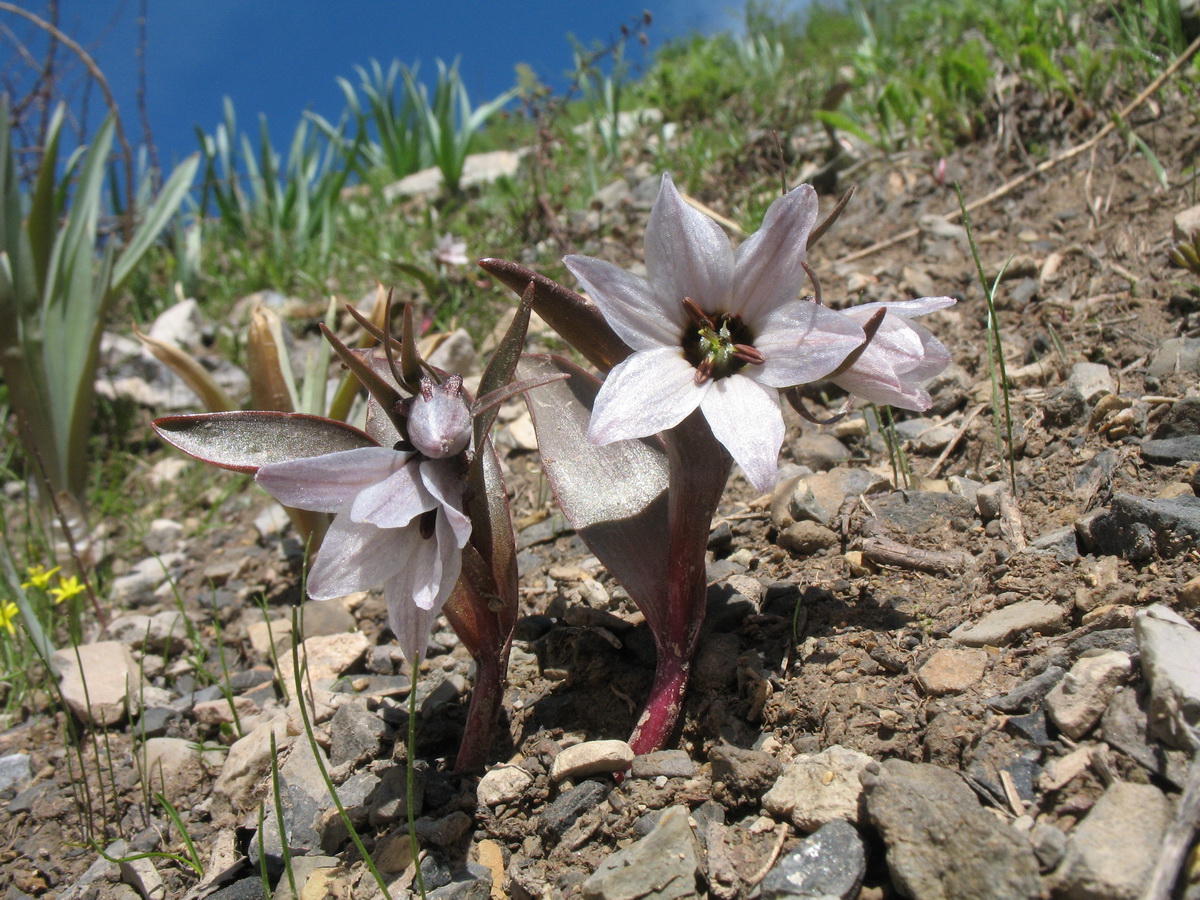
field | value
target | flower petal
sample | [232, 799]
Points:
[643, 394]
[905, 308]
[409, 623]
[446, 486]
[768, 271]
[356, 556]
[802, 342]
[629, 304]
[326, 483]
[687, 254]
[880, 388]
[395, 501]
[744, 416]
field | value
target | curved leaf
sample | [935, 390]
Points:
[243, 441]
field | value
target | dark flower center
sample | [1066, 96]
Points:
[717, 346]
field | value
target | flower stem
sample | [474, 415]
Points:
[483, 712]
[699, 468]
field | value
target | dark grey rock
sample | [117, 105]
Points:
[1061, 543]
[1126, 726]
[747, 772]
[819, 451]
[358, 734]
[1181, 420]
[388, 803]
[1136, 528]
[664, 865]
[668, 763]
[1064, 408]
[831, 862]
[1175, 356]
[245, 889]
[998, 754]
[251, 678]
[1049, 843]
[568, 807]
[941, 842]
[1168, 451]
[473, 882]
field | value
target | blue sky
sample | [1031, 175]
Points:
[281, 58]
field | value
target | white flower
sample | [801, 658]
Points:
[398, 522]
[450, 251]
[899, 356]
[714, 329]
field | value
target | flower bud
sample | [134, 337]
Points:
[439, 422]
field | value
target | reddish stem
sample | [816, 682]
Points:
[483, 711]
[699, 468]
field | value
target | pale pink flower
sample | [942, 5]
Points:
[399, 518]
[450, 251]
[900, 355]
[714, 329]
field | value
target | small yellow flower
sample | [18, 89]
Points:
[39, 577]
[67, 588]
[8, 612]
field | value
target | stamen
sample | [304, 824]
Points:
[696, 314]
[749, 354]
[704, 370]
[816, 284]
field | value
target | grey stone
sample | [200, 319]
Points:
[805, 507]
[163, 633]
[664, 865]
[137, 586]
[177, 767]
[747, 772]
[831, 862]
[1170, 650]
[667, 763]
[358, 734]
[949, 670]
[163, 535]
[303, 796]
[1064, 408]
[560, 815]
[1092, 380]
[472, 882]
[111, 678]
[816, 789]
[502, 784]
[940, 842]
[1004, 625]
[1181, 420]
[389, 801]
[1179, 355]
[1111, 853]
[1126, 726]
[1077, 702]
[15, 771]
[326, 617]
[807, 538]
[912, 512]
[1061, 543]
[591, 758]
[1026, 694]
[244, 889]
[179, 324]
[819, 451]
[1168, 451]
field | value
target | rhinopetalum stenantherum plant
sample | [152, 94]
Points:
[417, 499]
[695, 357]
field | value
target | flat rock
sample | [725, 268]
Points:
[940, 842]
[154, 634]
[1004, 625]
[111, 677]
[503, 784]
[591, 758]
[326, 617]
[912, 512]
[814, 790]
[819, 451]
[1168, 451]
[162, 536]
[1077, 702]
[1030, 692]
[666, 763]
[831, 862]
[832, 487]
[949, 671]
[178, 767]
[560, 815]
[664, 864]
[1175, 356]
[807, 538]
[15, 771]
[1181, 420]
[246, 765]
[358, 734]
[326, 656]
[1170, 661]
[1092, 380]
[1136, 527]
[1111, 853]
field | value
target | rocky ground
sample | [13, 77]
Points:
[924, 685]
